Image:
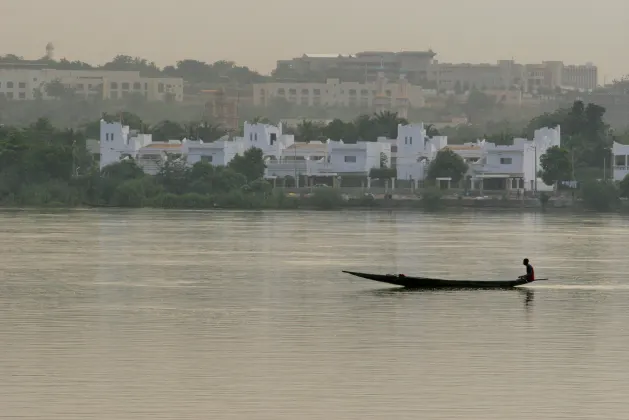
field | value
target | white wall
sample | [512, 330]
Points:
[268, 138]
[366, 154]
[115, 142]
[220, 153]
[621, 170]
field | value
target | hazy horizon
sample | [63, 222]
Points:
[165, 32]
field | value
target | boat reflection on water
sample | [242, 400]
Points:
[526, 294]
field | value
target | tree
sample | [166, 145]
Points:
[308, 131]
[623, 187]
[556, 165]
[167, 130]
[58, 90]
[599, 196]
[339, 130]
[250, 164]
[447, 164]
[386, 124]
[478, 104]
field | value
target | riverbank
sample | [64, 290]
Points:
[330, 202]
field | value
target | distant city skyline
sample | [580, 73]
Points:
[165, 32]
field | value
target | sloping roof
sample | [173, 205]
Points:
[462, 147]
[162, 146]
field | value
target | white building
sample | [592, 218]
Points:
[29, 84]
[332, 158]
[621, 161]
[268, 138]
[118, 141]
[491, 166]
[513, 166]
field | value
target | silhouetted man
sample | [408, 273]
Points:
[530, 272]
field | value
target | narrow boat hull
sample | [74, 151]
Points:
[431, 283]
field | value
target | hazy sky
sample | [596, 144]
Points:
[257, 33]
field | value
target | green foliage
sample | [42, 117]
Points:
[383, 173]
[447, 164]
[190, 70]
[326, 198]
[250, 164]
[556, 165]
[583, 130]
[623, 187]
[431, 199]
[599, 195]
[544, 198]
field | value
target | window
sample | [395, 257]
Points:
[206, 159]
[281, 92]
[80, 86]
[137, 86]
[22, 85]
[160, 88]
[393, 149]
[292, 91]
[506, 161]
[350, 159]
[22, 95]
[364, 92]
[620, 160]
[255, 136]
[125, 85]
[305, 92]
[113, 85]
[9, 85]
[317, 91]
[9, 95]
[352, 92]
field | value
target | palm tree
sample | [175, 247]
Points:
[308, 130]
[387, 123]
[260, 120]
[208, 131]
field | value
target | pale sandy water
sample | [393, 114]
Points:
[246, 315]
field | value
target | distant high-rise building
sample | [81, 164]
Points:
[420, 68]
[360, 67]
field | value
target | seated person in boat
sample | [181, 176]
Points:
[530, 273]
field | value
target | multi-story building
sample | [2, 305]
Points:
[360, 67]
[31, 83]
[507, 74]
[420, 68]
[381, 94]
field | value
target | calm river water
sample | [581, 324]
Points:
[246, 315]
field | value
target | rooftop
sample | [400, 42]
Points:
[162, 146]
[307, 146]
[462, 147]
